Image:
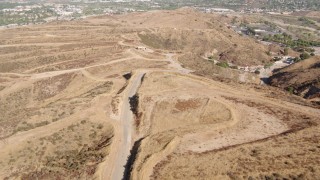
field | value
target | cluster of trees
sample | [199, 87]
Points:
[23, 18]
[303, 56]
[306, 21]
[289, 41]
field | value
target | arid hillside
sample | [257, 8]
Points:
[302, 78]
[135, 96]
[186, 30]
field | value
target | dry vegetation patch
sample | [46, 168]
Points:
[289, 156]
[63, 154]
[52, 86]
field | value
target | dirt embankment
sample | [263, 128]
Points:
[302, 78]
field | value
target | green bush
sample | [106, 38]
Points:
[304, 56]
[290, 90]
[268, 65]
[296, 59]
[223, 64]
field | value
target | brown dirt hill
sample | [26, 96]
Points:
[315, 14]
[303, 78]
[189, 31]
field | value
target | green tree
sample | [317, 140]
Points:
[304, 56]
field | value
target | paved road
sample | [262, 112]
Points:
[126, 120]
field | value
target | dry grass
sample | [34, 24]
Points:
[65, 153]
[290, 156]
[58, 115]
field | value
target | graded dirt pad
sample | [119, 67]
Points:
[68, 89]
[290, 156]
[190, 124]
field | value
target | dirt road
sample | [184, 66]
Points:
[176, 65]
[123, 141]
[126, 121]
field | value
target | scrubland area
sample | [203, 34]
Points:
[126, 96]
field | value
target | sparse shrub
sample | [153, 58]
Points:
[250, 31]
[43, 123]
[268, 65]
[100, 126]
[296, 59]
[268, 53]
[290, 90]
[71, 127]
[286, 51]
[276, 58]
[223, 64]
[93, 135]
[54, 119]
[304, 56]
[234, 67]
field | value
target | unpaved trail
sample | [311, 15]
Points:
[36, 132]
[123, 140]
[56, 73]
[151, 162]
[34, 44]
[15, 74]
[133, 55]
[176, 65]
[265, 73]
[250, 126]
[59, 72]
[126, 121]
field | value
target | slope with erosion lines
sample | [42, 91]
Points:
[186, 30]
[302, 78]
[46, 119]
